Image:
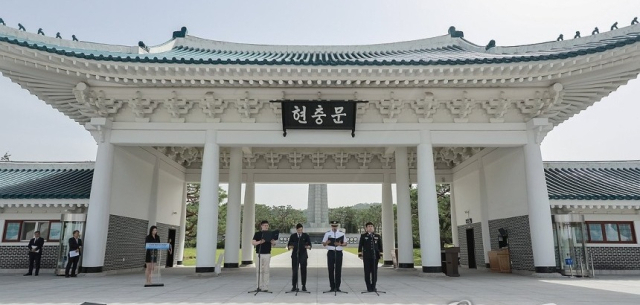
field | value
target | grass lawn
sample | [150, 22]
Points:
[190, 255]
[417, 259]
[189, 258]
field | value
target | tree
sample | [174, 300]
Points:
[371, 214]
[346, 216]
[286, 217]
[444, 214]
[263, 212]
[6, 157]
[193, 204]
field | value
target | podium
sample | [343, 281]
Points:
[157, 249]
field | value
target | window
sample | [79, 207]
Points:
[11, 231]
[54, 231]
[22, 230]
[611, 232]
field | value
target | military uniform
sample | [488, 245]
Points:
[370, 249]
[334, 257]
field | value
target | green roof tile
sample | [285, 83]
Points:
[593, 183]
[45, 183]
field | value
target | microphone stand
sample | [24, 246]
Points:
[298, 273]
[259, 254]
[335, 266]
[374, 272]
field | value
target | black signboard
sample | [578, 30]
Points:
[319, 115]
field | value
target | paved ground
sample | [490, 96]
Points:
[182, 286]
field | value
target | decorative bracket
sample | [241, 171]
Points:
[426, 107]
[212, 106]
[177, 107]
[391, 107]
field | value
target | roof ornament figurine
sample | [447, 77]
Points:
[634, 21]
[614, 26]
[41, 32]
[21, 27]
[454, 33]
[560, 38]
[143, 46]
[491, 44]
[2, 21]
[595, 31]
[58, 35]
[74, 38]
[577, 35]
[180, 34]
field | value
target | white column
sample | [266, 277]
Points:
[153, 198]
[454, 218]
[232, 234]
[405, 240]
[429, 224]
[95, 237]
[388, 240]
[207, 234]
[484, 212]
[538, 203]
[249, 220]
[183, 226]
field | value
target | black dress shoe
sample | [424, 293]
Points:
[66, 276]
[73, 275]
[338, 290]
[304, 288]
[293, 288]
[332, 290]
[27, 274]
[36, 274]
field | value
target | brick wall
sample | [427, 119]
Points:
[125, 243]
[615, 258]
[519, 240]
[16, 257]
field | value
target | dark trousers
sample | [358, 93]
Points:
[334, 261]
[72, 264]
[303, 271]
[370, 272]
[34, 258]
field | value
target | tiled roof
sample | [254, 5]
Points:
[593, 183]
[443, 50]
[16, 183]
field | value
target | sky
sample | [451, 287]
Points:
[30, 130]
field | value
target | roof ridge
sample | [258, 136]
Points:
[424, 43]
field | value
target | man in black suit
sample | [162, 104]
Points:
[35, 252]
[299, 242]
[370, 251]
[75, 246]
